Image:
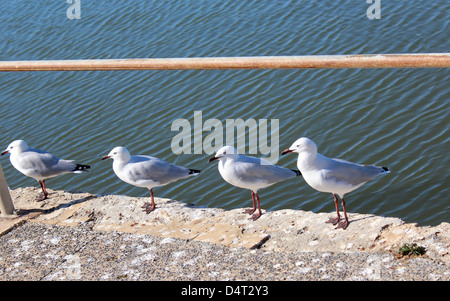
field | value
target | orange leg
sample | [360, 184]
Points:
[343, 224]
[251, 211]
[257, 215]
[334, 221]
[44, 191]
[149, 207]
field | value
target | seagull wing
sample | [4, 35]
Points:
[351, 173]
[250, 169]
[145, 168]
[44, 163]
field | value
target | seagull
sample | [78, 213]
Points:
[39, 164]
[146, 171]
[250, 173]
[334, 176]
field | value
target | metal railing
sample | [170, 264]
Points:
[6, 203]
[424, 60]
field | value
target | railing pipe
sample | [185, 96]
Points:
[425, 60]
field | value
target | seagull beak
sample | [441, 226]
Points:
[105, 157]
[4, 152]
[213, 159]
[286, 151]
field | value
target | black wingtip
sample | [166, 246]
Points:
[386, 169]
[297, 172]
[194, 171]
[81, 167]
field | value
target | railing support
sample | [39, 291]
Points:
[6, 203]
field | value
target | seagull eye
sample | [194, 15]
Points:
[224, 153]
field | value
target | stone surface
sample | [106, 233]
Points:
[276, 232]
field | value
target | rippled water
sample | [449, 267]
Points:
[391, 117]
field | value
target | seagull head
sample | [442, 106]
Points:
[224, 153]
[16, 147]
[301, 145]
[118, 153]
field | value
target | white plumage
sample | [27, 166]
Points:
[146, 171]
[39, 164]
[250, 173]
[335, 176]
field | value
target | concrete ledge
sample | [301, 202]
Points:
[281, 231]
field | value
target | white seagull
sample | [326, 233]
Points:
[146, 171]
[38, 164]
[250, 173]
[335, 176]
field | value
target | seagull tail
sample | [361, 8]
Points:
[194, 172]
[297, 172]
[80, 168]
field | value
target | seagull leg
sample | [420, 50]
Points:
[257, 215]
[44, 191]
[251, 211]
[149, 207]
[334, 221]
[343, 224]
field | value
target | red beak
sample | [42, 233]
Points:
[212, 159]
[286, 151]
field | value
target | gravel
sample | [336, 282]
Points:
[37, 251]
